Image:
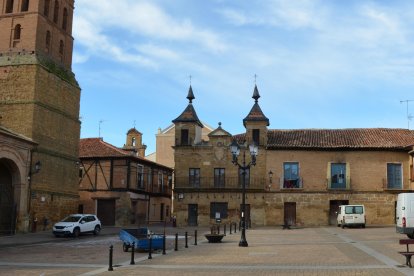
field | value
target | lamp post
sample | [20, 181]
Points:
[235, 151]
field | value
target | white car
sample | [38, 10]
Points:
[77, 224]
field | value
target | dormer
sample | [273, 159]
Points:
[188, 127]
[256, 122]
[134, 142]
[219, 137]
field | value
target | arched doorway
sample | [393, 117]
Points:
[7, 206]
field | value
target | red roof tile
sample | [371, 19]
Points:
[363, 138]
[353, 138]
[96, 147]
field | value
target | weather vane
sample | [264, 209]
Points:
[190, 78]
[255, 77]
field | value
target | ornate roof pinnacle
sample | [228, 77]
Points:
[190, 95]
[256, 94]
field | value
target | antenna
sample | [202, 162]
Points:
[409, 116]
[100, 122]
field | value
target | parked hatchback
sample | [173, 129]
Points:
[77, 224]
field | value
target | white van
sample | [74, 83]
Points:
[351, 215]
[405, 214]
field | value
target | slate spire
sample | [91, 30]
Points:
[189, 114]
[256, 113]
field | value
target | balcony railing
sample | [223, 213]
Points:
[291, 183]
[404, 185]
[218, 183]
[344, 185]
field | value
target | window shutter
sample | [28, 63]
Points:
[328, 175]
[348, 176]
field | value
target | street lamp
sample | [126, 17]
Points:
[235, 151]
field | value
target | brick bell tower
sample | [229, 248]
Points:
[39, 98]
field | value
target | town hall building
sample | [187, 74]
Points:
[300, 176]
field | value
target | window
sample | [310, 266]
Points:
[218, 208]
[338, 176]
[17, 32]
[394, 176]
[194, 178]
[47, 41]
[149, 177]
[219, 180]
[291, 175]
[61, 47]
[65, 18]
[25, 5]
[9, 6]
[46, 8]
[184, 137]
[140, 176]
[160, 182]
[256, 136]
[354, 210]
[133, 141]
[56, 12]
[246, 178]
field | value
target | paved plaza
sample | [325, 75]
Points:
[271, 251]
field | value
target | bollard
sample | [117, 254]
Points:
[150, 247]
[186, 240]
[163, 244]
[111, 248]
[235, 228]
[176, 242]
[218, 229]
[230, 227]
[195, 237]
[132, 254]
[224, 229]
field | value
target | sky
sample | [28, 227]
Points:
[317, 64]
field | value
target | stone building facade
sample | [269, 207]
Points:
[120, 185]
[39, 99]
[300, 176]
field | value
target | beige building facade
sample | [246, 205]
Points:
[300, 177]
[39, 99]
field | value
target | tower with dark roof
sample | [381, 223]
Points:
[256, 122]
[187, 126]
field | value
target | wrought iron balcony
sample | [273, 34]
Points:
[219, 183]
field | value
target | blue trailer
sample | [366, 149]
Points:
[140, 237]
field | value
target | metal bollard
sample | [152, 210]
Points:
[195, 237]
[163, 244]
[235, 228]
[111, 248]
[230, 227]
[150, 247]
[176, 242]
[132, 254]
[218, 229]
[225, 230]
[186, 240]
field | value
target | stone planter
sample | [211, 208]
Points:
[214, 238]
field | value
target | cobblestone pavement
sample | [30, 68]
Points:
[271, 251]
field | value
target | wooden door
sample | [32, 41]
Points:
[106, 211]
[7, 212]
[192, 214]
[290, 213]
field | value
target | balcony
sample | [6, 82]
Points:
[343, 185]
[394, 186]
[212, 183]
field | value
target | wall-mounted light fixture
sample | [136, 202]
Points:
[270, 176]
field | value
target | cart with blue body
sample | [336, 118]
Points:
[140, 237]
